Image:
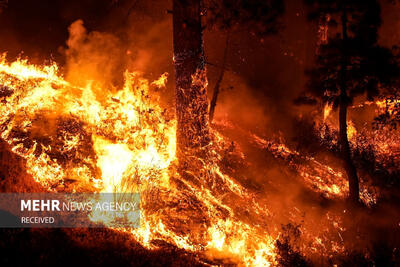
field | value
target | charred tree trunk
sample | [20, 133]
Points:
[217, 87]
[345, 150]
[190, 77]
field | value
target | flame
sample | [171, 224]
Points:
[162, 81]
[25, 71]
[317, 175]
[113, 160]
[351, 130]
[327, 111]
[96, 139]
[387, 103]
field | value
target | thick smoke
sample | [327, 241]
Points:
[93, 56]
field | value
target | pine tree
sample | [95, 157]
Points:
[351, 63]
[258, 17]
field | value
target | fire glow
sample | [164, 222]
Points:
[212, 135]
[107, 141]
[120, 141]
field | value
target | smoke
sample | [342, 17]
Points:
[104, 56]
[96, 56]
[257, 92]
[151, 50]
[238, 103]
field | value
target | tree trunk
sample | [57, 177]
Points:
[219, 81]
[343, 138]
[190, 76]
[346, 152]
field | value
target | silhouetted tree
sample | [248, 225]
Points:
[217, 86]
[190, 73]
[351, 63]
[258, 17]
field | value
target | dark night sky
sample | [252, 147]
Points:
[272, 70]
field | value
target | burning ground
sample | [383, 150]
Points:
[75, 141]
[58, 137]
[257, 200]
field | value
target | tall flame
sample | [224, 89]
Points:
[96, 139]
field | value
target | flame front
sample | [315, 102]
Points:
[96, 139]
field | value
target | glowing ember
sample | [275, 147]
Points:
[95, 139]
[105, 140]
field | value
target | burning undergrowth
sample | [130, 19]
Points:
[91, 139]
[307, 185]
[374, 148]
[99, 138]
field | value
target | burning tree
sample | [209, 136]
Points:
[190, 75]
[349, 64]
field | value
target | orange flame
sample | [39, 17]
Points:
[102, 140]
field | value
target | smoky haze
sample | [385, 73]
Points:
[107, 37]
[98, 40]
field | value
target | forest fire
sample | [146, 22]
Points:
[93, 150]
[121, 143]
[262, 171]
